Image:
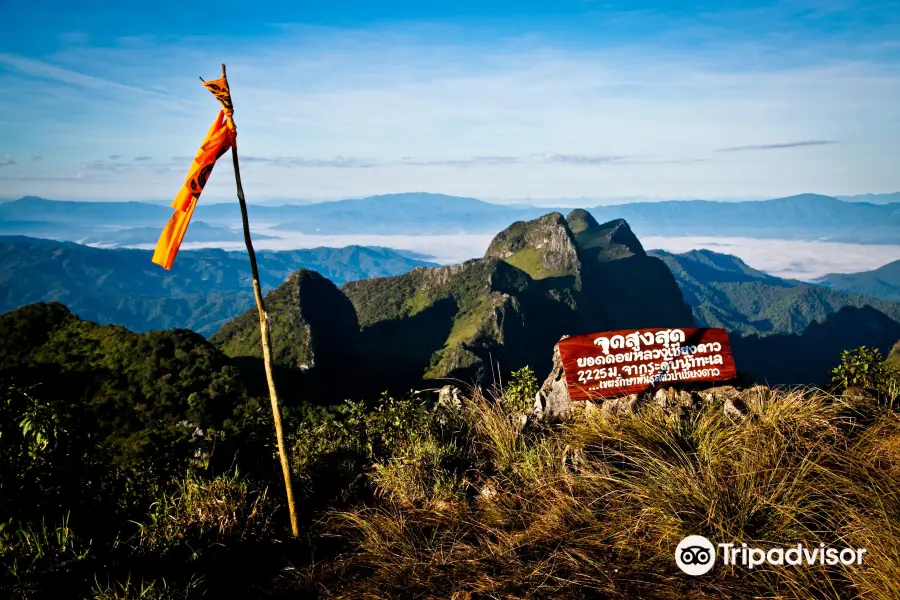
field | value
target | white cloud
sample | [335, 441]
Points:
[792, 259]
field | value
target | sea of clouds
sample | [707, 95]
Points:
[804, 260]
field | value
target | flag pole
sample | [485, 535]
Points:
[263, 327]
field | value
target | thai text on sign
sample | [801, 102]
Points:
[632, 361]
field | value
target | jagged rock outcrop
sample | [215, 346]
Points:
[553, 404]
[446, 322]
[312, 324]
[623, 287]
[543, 248]
[610, 241]
[552, 401]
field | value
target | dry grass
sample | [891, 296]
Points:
[595, 508]
[203, 512]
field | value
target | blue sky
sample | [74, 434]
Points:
[497, 100]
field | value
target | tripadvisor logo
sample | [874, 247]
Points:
[696, 555]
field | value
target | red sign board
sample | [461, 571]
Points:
[616, 363]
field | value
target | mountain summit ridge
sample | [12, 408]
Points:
[538, 280]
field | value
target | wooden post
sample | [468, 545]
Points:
[264, 333]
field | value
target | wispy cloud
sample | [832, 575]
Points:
[408, 161]
[581, 159]
[339, 162]
[42, 179]
[39, 68]
[140, 164]
[103, 165]
[36, 157]
[115, 156]
[7, 161]
[777, 145]
[475, 161]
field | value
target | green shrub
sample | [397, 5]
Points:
[334, 448]
[423, 471]
[519, 393]
[865, 369]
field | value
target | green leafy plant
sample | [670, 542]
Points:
[863, 368]
[519, 393]
[334, 448]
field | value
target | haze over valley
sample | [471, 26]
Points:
[801, 237]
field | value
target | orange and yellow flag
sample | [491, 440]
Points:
[219, 139]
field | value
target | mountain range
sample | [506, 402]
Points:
[544, 278]
[724, 291]
[203, 290]
[149, 234]
[802, 217]
[394, 319]
[872, 198]
[883, 282]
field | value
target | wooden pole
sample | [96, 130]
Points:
[264, 333]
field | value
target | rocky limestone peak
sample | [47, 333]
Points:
[580, 220]
[543, 247]
[311, 322]
[608, 241]
[621, 285]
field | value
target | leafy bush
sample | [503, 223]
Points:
[519, 393]
[333, 448]
[865, 368]
[423, 471]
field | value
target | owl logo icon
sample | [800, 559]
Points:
[695, 555]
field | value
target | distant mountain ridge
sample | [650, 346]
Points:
[883, 282]
[410, 323]
[204, 289]
[872, 198]
[724, 291]
[801, 217]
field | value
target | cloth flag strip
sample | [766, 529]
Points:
[219, 139]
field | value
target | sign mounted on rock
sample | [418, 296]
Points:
[616, 363]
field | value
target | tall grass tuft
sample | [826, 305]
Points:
[29, 551]
[198, 513]
[595, 507]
